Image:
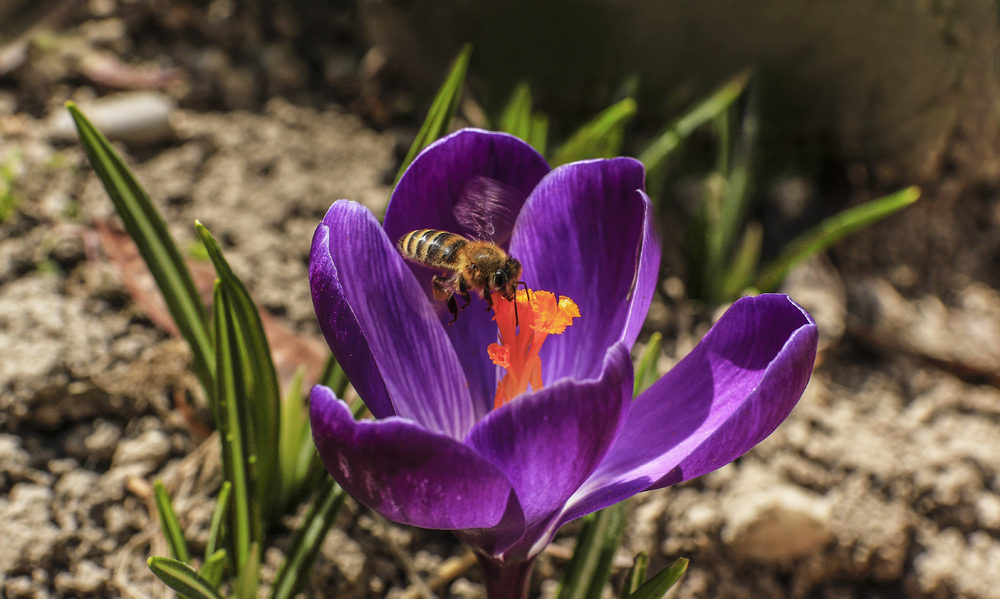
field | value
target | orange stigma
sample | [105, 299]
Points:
[518, 349]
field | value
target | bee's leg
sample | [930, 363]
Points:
[444, 292]
[463, 290]
[453, 308]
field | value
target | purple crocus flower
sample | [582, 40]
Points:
[438, 454]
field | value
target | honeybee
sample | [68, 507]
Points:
[477, 265]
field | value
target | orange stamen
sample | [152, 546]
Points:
[540, 315]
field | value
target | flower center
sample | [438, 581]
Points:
[538, 315]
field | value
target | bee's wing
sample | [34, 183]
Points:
[484, 209]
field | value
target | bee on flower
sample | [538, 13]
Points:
[506, 457]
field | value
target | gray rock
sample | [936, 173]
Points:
[29, 536]
[778, 524]
[134, 117]
[87, 578]
[152, 446]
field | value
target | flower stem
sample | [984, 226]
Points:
[506, 581]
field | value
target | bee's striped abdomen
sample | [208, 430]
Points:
[432, 247]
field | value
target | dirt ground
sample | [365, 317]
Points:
[883, 483]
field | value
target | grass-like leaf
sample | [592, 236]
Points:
[307, 540]
[234, 425]
[647, 371]
[263, 394]
[830, 231]
[736, 163]
[596, 544]
[602, 137]
[295, 441]
[169, 525]
[739, 276]
[182, 578]
[214, 567]
[539, 136]
[636, 575]
[655, 156]
[658, 585]
[158, 250]
[516, 117]
[215, 528]
[442, 110]
[333, 376]
[248, 580]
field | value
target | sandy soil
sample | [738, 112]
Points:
[884, 482]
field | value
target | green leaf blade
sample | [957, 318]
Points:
[238, 466]
[602, 137]
[647, 371]
[832, 230]
[597, 542]
[307, 540]
[147, 229]
[636, 575]
[218, 517]
[516, 118]
[168, 523]
[182, 578]
[248, 581]
[539, 132]
[655, 156]
[658, 586]
[334, 377]
[214, 567]
[442, 110]
[263, 393]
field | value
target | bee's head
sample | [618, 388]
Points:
[506, 278]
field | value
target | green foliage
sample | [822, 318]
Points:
[168, 523]
[215, 528]
[658, 586]
[182, 578]
[442, 110]
[602, 137]
[832, 230]
[214, 567]
[8, 179]
[248, 581]
[636, 575]
[258, 432]
[307, 540]
[300, 468]
[519, 119]
[647, 372]
[334, 377]
[658, 152]
[147, 230]
[239, 463]
[262, 398]
[724, 247]
[596, 544]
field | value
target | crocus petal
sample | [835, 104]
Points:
[726, 396]
[646, 276]
[432, 186]
[418, 363]
[579, 235]
[405, 472]
[548, 442]
[425, 198]
[341, 329]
